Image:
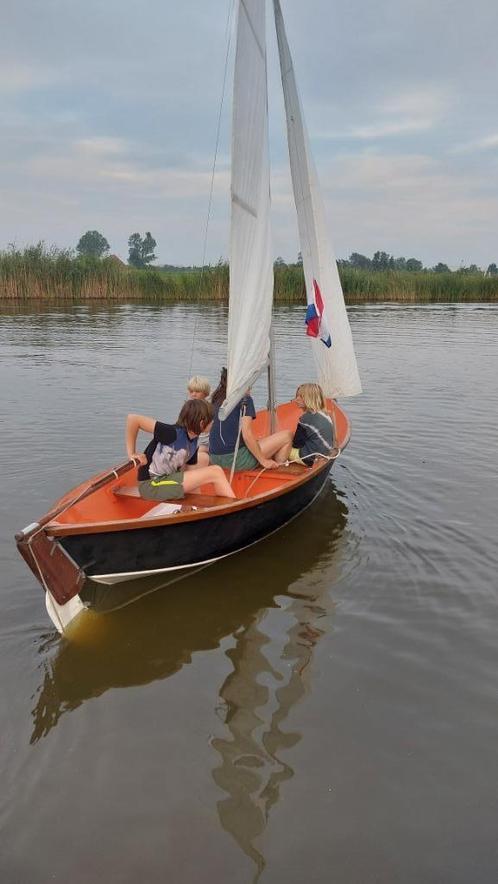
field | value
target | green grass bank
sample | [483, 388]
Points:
[37, 274]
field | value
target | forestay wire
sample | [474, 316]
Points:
[228, 40]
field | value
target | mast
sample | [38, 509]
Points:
[272, 409]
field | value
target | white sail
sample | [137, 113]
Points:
[251, 266]
[336, 365]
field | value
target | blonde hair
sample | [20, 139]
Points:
[312, 396]
[198, 384]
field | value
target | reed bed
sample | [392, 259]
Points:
[425, 286]
[40, 274]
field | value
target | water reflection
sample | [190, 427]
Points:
[157, 635]
[276, 616]
[270, 676]
[252, 769]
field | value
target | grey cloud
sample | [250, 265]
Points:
[407, 78]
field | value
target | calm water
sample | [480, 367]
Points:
[321, 708]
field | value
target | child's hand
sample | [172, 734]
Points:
[138, 457]
[269, 464]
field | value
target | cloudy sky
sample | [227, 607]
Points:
[108, 114]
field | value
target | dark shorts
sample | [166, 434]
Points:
[162, 487]
[245, 460]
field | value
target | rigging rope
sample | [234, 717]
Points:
[228, 39]
[288, 463]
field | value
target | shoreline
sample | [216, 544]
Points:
[122, 300]
[62, 279]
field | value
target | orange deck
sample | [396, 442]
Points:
[104, 510]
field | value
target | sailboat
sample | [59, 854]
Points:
[99, 531]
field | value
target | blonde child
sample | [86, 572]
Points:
[315, 431]
[199, 387]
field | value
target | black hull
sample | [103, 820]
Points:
[189, 543]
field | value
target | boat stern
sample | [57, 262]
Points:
[58, 573]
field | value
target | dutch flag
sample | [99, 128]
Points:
[316, 325]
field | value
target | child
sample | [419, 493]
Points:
[267, 452]
[169, 468]
[315, 431]
[200, 388]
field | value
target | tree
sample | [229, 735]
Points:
[299, 261]
[141, 250]
[413, 264]
[359, 262]
[148, 246]
[135, 250]
[92, 245]
[279, 262]
[381, 261]
[492, 270]
[441, 268]
[400, 263]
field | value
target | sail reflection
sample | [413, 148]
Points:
[269, 678]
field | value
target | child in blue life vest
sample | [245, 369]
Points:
[169, 465]
[236, 430]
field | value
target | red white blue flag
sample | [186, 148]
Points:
[316, 325]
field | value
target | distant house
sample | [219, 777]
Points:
[117, 261]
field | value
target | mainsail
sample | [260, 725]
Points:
[336, 363]
[251, 266]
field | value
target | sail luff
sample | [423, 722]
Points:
[336, 365]
[251, 264]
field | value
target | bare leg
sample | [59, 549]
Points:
[204, 475]
[277, 446]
